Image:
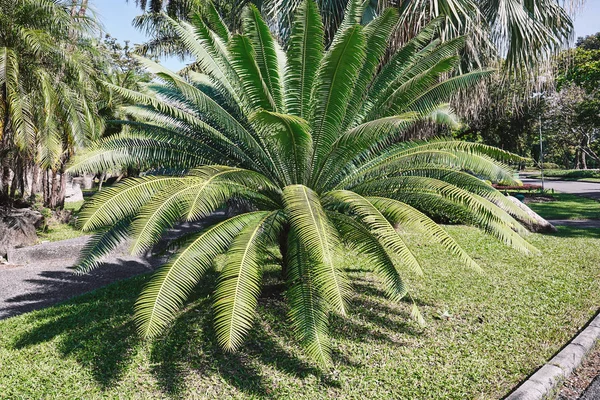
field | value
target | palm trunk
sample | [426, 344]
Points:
[60, 201]
[83, 8]
[35, 181]
[5, 177]
[54, 189]
[46, 186]
[20, 172]
[13, 186]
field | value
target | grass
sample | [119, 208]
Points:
[59, 231]
[568, 206]
[502, 326]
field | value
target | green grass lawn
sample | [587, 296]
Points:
[59, 231]
[503, 325]
[568, 206]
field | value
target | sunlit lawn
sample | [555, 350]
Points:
[502, 325]
[568, 206]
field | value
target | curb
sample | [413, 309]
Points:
[545, 381]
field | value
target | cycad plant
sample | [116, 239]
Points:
[303, 146]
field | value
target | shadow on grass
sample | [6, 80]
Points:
[97, 331]
[576, 232]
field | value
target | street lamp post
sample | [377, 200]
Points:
[540, 95]
[541, 153]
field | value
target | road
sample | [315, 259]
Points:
[586, 189]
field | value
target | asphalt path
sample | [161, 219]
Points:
[40, 282]
[586, 189]
[593, 391]
[39, 285]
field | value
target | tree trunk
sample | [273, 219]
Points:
[20, 173]
[54, 189]
[73, 8]
[35, 181]
[13, 185]
[5, 177]
[60, 201]
[83, 8]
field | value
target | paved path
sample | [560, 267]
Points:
[42, 283]
[593, 391]
[587, 189]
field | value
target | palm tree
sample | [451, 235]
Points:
[305, 145]
[47, 94]
[523, 32]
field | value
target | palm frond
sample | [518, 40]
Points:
[239, 281]
[166, 292]
[305, 51]
[308, 219]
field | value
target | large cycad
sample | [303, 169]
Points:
[304, 147]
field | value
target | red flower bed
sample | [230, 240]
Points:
[527, 186]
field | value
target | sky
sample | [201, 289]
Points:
[116, 17]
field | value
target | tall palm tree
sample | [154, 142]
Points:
[305, 145]
[521, 31]
[46, 90]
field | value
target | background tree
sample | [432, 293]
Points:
[47, 94]
[571, 125]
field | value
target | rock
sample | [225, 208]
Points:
[18, 228]
[540, 225]
[73, 193]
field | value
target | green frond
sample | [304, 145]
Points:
[316, 234]
[101, 244]
[474, 185]
[113, 204]
[168, 289]
[201, 193]
[442, 92]
[266, 54]
[377, 34]
[239, 282]
[410, 218]
[304, 54]
[214, 21]
[290, 138]
[308, 311]
[335, 79]
[353, 144]
[493, 219]
[377, 224]
[358, 237]
[243, 61]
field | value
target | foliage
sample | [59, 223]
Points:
[572, 127]
[590, 42]
[48, 91]
[579, 66]
[522, 32]
[530, 306]
[572, 173]
[303, 146]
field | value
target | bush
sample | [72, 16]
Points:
[573, 173]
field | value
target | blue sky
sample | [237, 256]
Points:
[116, 17]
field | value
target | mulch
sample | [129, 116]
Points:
[574, 387]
